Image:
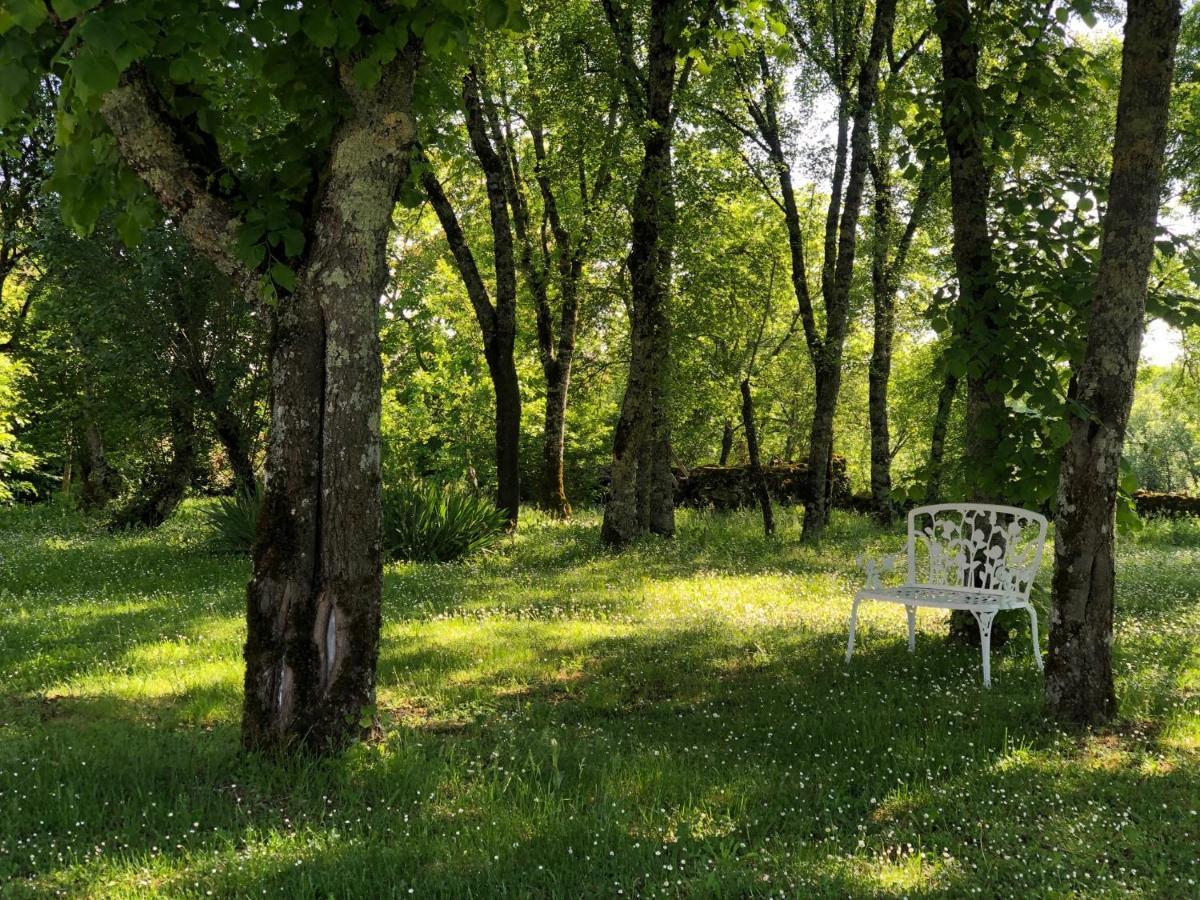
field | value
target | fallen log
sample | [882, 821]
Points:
[732, 487]
[1166, 504]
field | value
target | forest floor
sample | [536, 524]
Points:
[560, 721]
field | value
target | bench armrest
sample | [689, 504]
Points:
[876, 567]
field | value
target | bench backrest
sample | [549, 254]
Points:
[975, 546]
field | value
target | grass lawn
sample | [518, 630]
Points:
[559, 721]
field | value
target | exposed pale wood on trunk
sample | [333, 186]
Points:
[313, 606]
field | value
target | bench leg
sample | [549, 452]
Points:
[912, 628]
[1033, 628]
[984, 619]
[853, 625]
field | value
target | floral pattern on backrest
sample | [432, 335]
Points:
[988, 548]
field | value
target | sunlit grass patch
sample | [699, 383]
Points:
[558, 720]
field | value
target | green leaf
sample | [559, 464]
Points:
[69, 9]
[95, 75]
[320, 27]
[293, 241]
[495, 13]
[27, 14]
[283, 276]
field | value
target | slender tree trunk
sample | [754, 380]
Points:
[497, 323]
[554, 494]
[937, 441]
[232, 434]
[756, 469]
[877, 397]
[641, 496]
[980, 304]
[726, 443]
[1079, 678]
[100, 482]
[508, 430]
[164, 491]
[827, 360]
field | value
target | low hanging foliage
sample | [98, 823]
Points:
[234, 520]
[425, 522]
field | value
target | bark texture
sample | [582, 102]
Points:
[641, 496]
[497, 323]
[1079, 679]
[980, 304]
[313, 606]
[99, 482]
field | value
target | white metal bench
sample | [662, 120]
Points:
[968, 556]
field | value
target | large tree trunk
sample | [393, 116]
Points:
[1079, 678]
[756, 469]
[313, 605]
[641, 495]
[980, 304]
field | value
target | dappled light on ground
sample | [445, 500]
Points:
[561, 721]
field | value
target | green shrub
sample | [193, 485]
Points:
[430, 523]
[234, 520]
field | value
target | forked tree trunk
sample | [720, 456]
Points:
[1079, 678]
[756, 469]
[841, 242]
[313, 605]
[497, 323]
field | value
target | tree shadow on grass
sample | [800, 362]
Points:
[726, 757]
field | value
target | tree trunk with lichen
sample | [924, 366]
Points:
[1079, 678]
[641, 495]
[313, 604]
